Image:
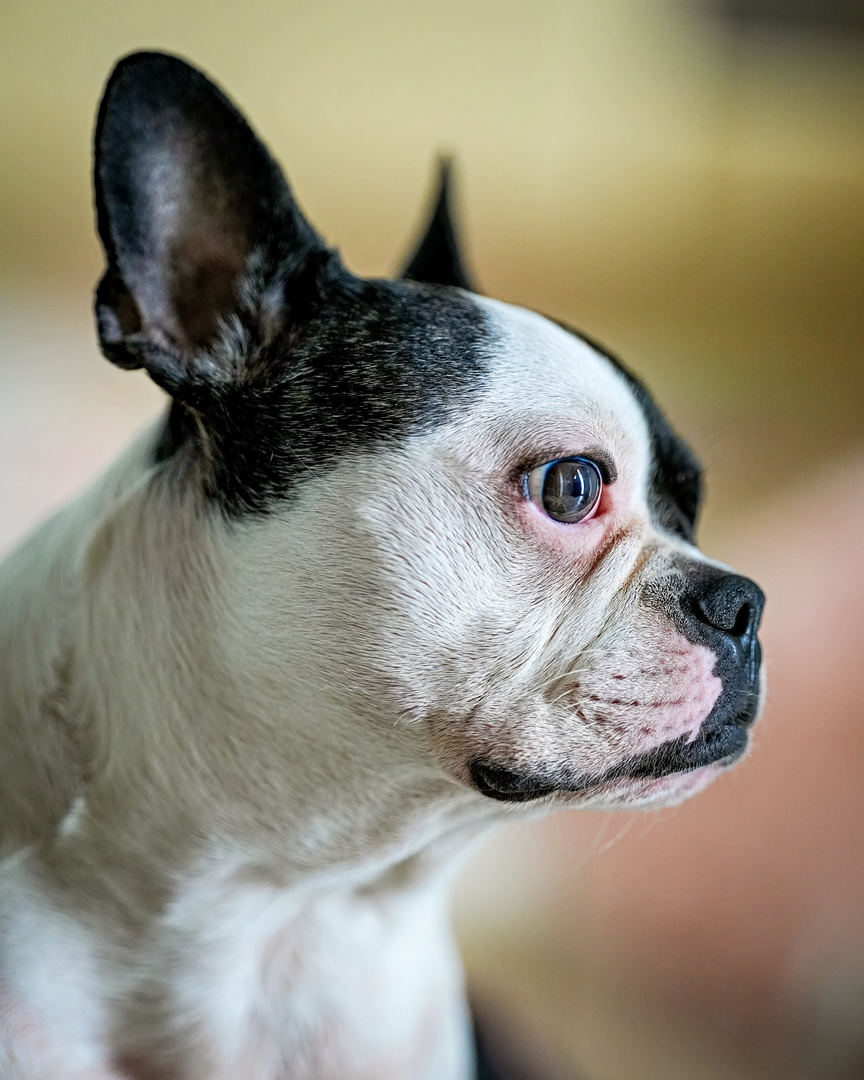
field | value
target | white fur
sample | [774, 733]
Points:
[234, 783]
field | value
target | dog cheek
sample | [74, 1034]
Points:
[520, 734]
[641, 697]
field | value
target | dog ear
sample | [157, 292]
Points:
[437, 259]
[198, 224]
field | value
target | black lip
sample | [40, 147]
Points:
[715, 743]
[503, 784]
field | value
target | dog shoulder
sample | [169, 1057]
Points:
[47, 736]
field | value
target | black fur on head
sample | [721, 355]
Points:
[437, 259]
[279, 360]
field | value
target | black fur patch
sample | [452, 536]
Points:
[366, 362]
[675, 487]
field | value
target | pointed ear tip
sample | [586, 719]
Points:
[152, 58]
[143, 68]
[445, 169]
[143, 81]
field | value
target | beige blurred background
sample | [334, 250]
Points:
[688, 188]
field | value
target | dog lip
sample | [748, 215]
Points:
[498, 782]
[717, 745]
[714, 745]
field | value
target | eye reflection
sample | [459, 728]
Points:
[566, 490]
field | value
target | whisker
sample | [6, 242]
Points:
[622, 832]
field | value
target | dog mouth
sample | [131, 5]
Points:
[715, 744]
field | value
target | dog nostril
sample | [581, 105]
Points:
[728, 603]
[742, 623]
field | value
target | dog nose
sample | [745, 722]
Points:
[729, 603]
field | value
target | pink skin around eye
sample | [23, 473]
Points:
[572, 539]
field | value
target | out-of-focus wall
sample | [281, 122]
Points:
[688, 190]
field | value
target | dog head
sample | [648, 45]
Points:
[469, 524]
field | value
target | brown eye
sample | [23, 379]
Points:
[566, 490]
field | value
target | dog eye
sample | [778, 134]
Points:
[567, 490]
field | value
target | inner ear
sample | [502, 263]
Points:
[191, 208]
[205, 269]
[437, 259]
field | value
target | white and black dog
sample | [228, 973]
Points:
[400, 562]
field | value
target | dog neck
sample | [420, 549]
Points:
[221, 800]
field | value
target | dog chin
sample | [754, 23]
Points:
[631, 793]
[666, 791]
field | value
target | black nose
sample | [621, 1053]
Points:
[727, 602]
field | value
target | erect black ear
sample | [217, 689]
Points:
[437, 259]
[197, 221]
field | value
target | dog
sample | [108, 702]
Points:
[401, 563]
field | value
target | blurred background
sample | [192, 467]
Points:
[685, 181]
